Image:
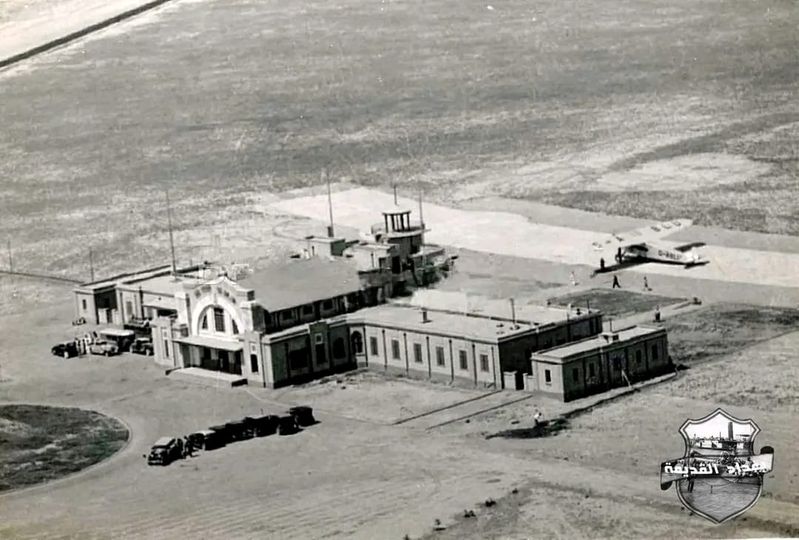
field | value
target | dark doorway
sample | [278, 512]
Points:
[237, 363]
[321, 354]
[224, 361]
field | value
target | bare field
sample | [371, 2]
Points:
[616, 303]
[533, 101]
[722, 329]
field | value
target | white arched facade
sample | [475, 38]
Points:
[205, 306]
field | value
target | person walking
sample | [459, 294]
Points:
[616, 284]
[646, 284]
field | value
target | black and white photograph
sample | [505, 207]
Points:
[399, 269]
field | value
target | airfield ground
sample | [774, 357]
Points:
[229, 103]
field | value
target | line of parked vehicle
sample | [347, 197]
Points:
[169, 449]
[106, 342]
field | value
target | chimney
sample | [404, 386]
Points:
[425, 318]
[729, 430]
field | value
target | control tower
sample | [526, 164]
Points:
[398, 229]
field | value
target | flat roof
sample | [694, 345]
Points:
[302, 281]
[487, 307]
[325, 239]
[568, 350]
[166, 285]
[107, 282]
[449, 324]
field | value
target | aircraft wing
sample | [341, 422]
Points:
[642, 235]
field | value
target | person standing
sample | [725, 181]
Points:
[573, 279]
[616, 284]
[646, 284]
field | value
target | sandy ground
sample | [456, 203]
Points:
[510, 234]
[349, 476]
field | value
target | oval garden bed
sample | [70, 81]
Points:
[40, 443]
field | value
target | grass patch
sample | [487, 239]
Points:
[722, 329]
[616, 303]
[39, 443]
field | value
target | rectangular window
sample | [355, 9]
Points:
[204, 323]
[219, 319]
[547, 376]
[483, 362]
[84, 304]
[417, 353]
[395, 349]
[654, 352]
[591, 370]
[327, 304]
[254, 363]
[638, 356]
[575, 375]
[166, 349]
[373, 350]
[463, 359]
[286, 315]
[440, 356]
[307, 310]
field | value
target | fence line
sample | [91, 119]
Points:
[49, 277]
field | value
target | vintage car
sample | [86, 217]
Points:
[68, 349]
[165, 451]
[265, 425]
[122, 338]
[103, 348]
[287, 425]
[142, 345]
[303, 414]
[205, 439]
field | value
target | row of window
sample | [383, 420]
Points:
[418, 357]
[219, 321]
[616, 365]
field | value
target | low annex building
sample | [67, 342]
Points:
[484, 350]
[599, 363]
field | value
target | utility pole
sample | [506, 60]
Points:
[513, 311]
[171, 239]
[330, 230]
[10, 259]
[91, 266]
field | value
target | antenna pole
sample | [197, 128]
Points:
[91, 266]
[171, 239]
[330, 230]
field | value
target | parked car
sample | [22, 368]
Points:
[122, 338]
[238, 430]
[142, 345]
[206, 439]
[266, 425]
[165, 451]
[303, 414]
[102, 347]
[68, 349]
[287, 425]
[222, 434]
